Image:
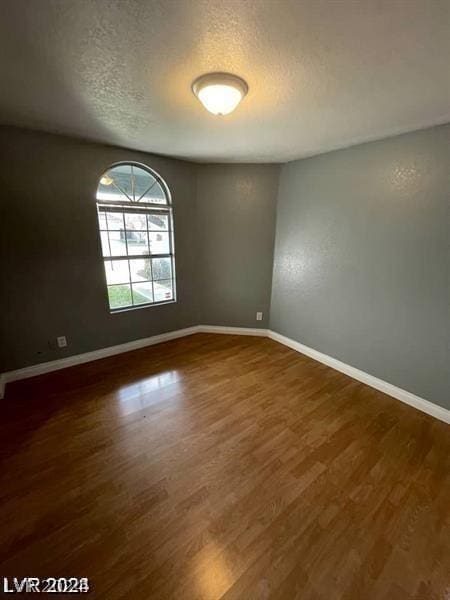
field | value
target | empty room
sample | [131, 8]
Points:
[225, 299]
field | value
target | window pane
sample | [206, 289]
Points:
[162, 268]
[101, 220]
[105, 243]
[136, 221]
[157, 222]
[147, 188]
[143, 181]
[119, 296]
[121, 176]
[159, 243]
[108, 190]
[137, 242]
[142, 293]
[117, 243]
[140, 269]
[115, 221]
[155, 195]
[162, 290]
[136, 239]
[117, 271]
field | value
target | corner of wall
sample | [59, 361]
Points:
[277, 198]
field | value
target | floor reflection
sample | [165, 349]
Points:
[148, 391]
[214, 574]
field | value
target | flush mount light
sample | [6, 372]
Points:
[220, 93]
[106, 180]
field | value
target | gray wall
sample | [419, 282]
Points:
[236, 207]
[52, 273]
[362, 269]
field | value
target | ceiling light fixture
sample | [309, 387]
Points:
[220, 93]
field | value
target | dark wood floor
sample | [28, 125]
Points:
[223, 467]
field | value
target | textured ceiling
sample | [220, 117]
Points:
[323, 74]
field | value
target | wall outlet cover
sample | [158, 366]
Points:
[61, 341]
[259, 316]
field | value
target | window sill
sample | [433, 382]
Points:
[140, 307]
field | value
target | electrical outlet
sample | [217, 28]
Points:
[259, 316]
[61, 341]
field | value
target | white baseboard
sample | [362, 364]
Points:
[78, 359]
[233, 330]
[423, 405]
[383, 386]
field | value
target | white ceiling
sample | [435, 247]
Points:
[323, 74]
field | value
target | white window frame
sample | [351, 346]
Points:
[147, 208]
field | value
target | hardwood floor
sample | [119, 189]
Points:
[223, 467]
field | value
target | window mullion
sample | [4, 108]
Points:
[132, 184]
[155, 209]
[107, 229]
[128, 257]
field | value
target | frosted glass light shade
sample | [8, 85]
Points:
[220, 93]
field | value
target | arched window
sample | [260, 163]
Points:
[135, 222]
